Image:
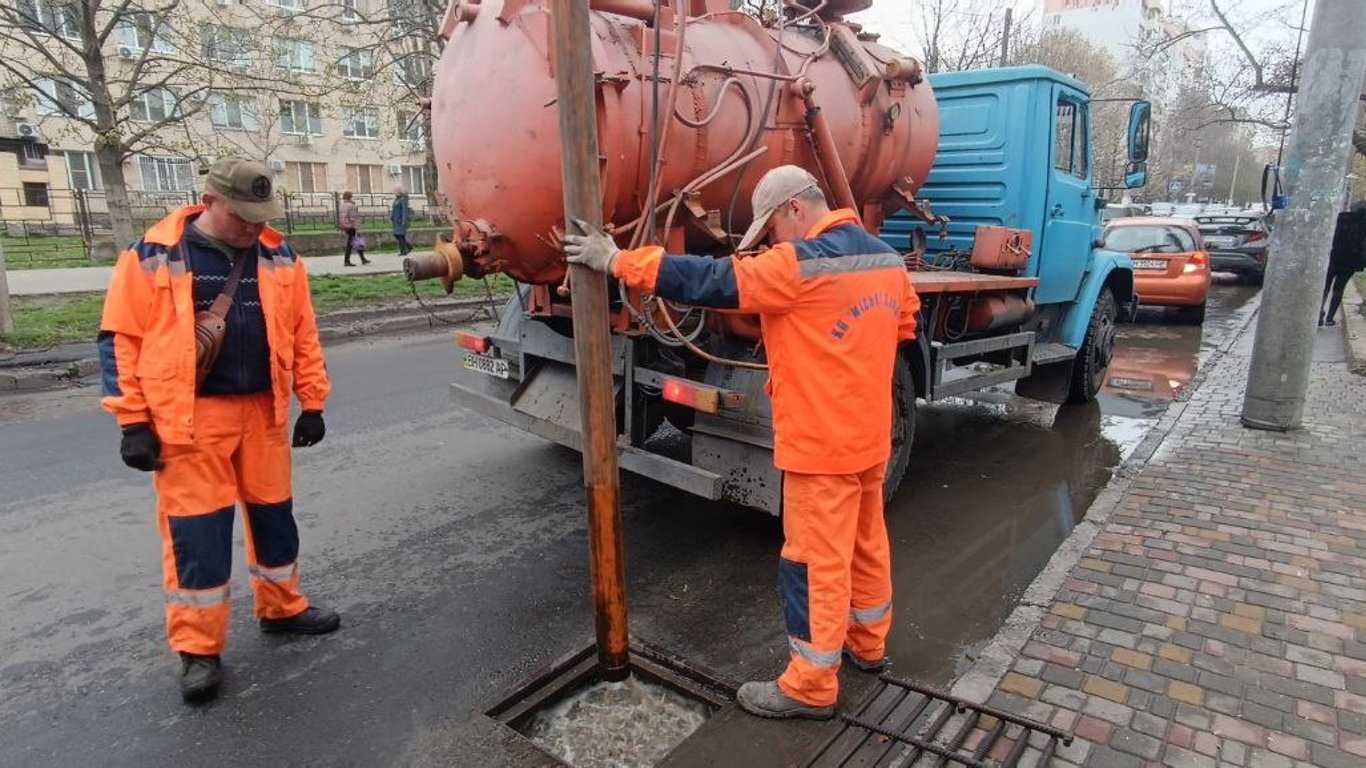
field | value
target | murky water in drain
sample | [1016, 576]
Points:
[631, 724]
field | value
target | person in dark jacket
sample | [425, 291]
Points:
[1347, 258]
[401, 216]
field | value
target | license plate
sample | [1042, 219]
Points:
[1120, 382]
[493, 366]
[1221, 242]
[1150, 264]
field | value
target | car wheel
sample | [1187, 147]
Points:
[1191, 315]
[1088, 371]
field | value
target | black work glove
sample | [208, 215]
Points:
[140, 448]
[309, 429]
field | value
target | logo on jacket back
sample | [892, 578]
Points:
[862, 307]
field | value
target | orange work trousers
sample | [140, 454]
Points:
[836, 577]
[239, 455]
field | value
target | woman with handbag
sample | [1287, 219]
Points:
[349, 221]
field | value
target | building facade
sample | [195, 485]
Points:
[323, 92]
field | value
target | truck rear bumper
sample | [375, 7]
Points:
[498, 398]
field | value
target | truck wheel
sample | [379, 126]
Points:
[1088, 372]
[903, 427]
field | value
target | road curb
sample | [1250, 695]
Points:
[67, 365]
[1000, 653]
[1355, 327]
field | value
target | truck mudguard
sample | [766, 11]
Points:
[1109, 269]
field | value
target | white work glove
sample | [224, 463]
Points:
[594, 249]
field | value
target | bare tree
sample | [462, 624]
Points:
[964, 34]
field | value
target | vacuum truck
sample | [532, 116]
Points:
[982, 179]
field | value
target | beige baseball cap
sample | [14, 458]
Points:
[775, 188]
[246, 185]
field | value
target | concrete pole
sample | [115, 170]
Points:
[6, 313]
[1331, 79]
[570, 35]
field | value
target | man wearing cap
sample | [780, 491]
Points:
[218, 438]
[834, 302]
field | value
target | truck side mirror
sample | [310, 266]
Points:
[1140, 116]
[1136, 175]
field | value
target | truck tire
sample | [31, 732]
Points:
[903, 427]
[1088, 372]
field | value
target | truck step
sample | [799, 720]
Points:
[1053, 353]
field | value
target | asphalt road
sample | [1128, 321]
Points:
[455, 549]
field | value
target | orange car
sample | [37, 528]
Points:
[1171, 267]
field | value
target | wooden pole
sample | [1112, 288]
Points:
[570, 37]
[6, 314]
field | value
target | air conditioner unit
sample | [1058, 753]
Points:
[125, 52]
[306, 139]
[26, 130]
[395, 169]
[277, 165]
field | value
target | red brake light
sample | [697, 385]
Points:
[1199, 257]
[1255, 236]
[473, 343]
[693, 396]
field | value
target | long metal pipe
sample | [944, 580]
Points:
[826, 152]
[570, 34]
[636, 9]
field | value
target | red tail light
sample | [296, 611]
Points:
[700, 397]
[1199, 257]
[1255, 236]
[473, 343]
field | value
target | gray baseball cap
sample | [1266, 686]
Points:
[246, 185]
[775, 188]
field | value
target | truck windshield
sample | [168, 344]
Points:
[1149, 239]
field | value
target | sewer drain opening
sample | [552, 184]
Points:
[901, 722]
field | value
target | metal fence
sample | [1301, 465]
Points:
[41, 227]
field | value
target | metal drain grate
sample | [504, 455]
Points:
[902, 723]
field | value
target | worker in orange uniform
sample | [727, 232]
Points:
[834, 302]
[210, 423]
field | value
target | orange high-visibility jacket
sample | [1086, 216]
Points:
[833, 308]
[146, 340]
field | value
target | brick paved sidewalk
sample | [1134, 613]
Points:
[1218, 616]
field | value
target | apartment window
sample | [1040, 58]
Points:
[227, 45]
[364, 178]
[142, 31]
[350, 10]
[295, 55]
[50, 16]
[415, 179]
[57, 96]
[301, 117]
[292, 5]
[166, 174]
[356, 64]
[360, 123]
[230, 111]
[413, 70]
[83, 171]
[32, 154]
[35, 194]
[306, 177]
[412, 126]
[153, 105]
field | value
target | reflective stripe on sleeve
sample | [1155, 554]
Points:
[201, 598]
[869, 615]
[278, 575]
[817, 658]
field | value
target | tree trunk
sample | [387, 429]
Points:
[116, 193]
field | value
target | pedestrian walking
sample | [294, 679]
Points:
[349, 221]
[1347, 258]
[401, 217]
[203, 403]
[835, 302]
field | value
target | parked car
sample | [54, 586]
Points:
[1188, 210]
[1236, 243]
[1171, 268]
[1120, 210]
[1161, 209]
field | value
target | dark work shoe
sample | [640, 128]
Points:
[865, 665]
[766, 699]
[200, 677]
[313, 621]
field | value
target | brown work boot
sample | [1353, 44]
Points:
[766, 699]
[311, 621]
[200, 677]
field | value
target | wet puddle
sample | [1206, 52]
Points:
[630, 724]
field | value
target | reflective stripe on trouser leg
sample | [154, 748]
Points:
[820, 518]
[870, 572]
[263, 481]
[195, 494]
